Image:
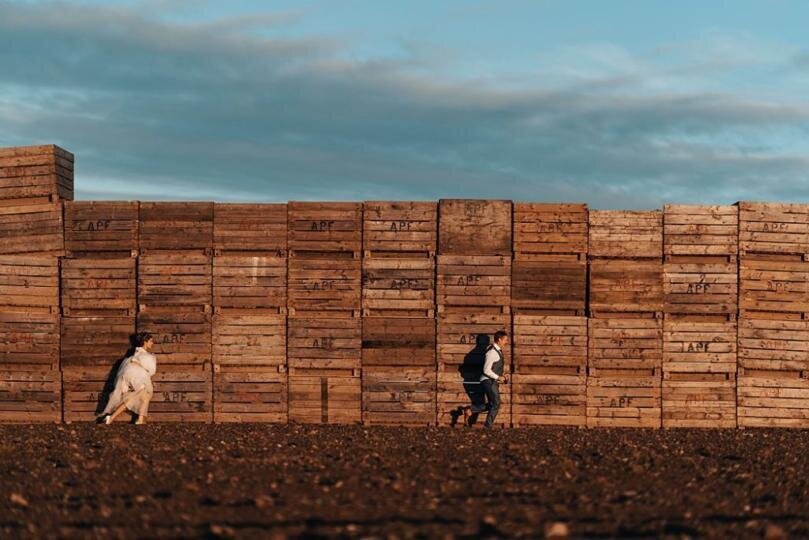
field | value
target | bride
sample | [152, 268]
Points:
[133, 382]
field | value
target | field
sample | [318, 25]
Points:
[249, 480]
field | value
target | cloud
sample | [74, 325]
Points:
[157, 109]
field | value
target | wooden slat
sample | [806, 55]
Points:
[474, 227]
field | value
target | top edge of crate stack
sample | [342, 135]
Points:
[474, 227]
[102, 229]
[626, 234]
[399, 229]
[176, 227]
[550, 231]
[248, 229]
[700, 231]
[35, 175]
[773, 229]
[323, 229]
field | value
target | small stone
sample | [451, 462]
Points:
[774, 532]
[489, 519]
[557, 529]
[18, 500]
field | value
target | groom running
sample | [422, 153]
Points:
[492, 375]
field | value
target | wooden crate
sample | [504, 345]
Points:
[773, 398]
[400, 227]
[699, 346]
[626, 234]
[325, 396]
[29, 341]
[99, 287]
[700, 285]
[550, 228]
[624, 398]
[626, 285]
[474, 227]
[457, 390]
[770, 344]
[319, 286]
[175, 281]
[179, 396]
[101, 228]
[549, 396]
[182, 340]
[29, 283]
[772, 285]
[95, 341]
[542, 341]
[30, 396]
[550, 286]
[246, 283]
[404, 342]
[239, 228]
[402, 396]
[176, 226]
[474, 284]
[35, 174]
[699, 400]
[773, 228]
[398, 287]
[314, 343]
[325, 227]
[250, 340]
[31, 228]
[249, 395]
[625, 344]
[700, 230]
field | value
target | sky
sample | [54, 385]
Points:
[618, 104]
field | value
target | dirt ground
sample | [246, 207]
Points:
[249, 480]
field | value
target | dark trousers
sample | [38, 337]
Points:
[492, 391]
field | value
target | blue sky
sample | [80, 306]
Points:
[618, 104]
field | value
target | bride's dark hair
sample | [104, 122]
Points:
[141, 338]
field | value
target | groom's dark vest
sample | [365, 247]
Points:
[498, 366]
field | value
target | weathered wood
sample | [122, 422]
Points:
[258, 395]
[398, 395]
[182, 340]
[249, 282]
[250, 227]
[773, 284]
[625, 344]
[700, 230]
[35, 175]
[175, 281]
[473, 284]
[321, 397]
[773, 344]
[555, 397]
[314, 343]
[98, 287]
[699, 400]
[548, 286]
[30, 396]
[773, 228]
[34, 229]
[29, 341]
[93, 228]
[398, 286]
[29, 283]
[464, 338]
[626, 285]
[323, 284]
[626, 234]
[707, 287]
[250, 340]
[624, 398]
[773, 398]
[549, 341]
[176, 226]
[95, 341]
[545, 228]
[474, 227]
[325, 226]
[179, 396]
[403, 227]
[401, 342]
[699, 347]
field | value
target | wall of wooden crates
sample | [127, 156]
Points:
[381, 312]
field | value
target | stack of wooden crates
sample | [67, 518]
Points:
[548, 299]
[625, 330]
[175, 303]
[33, 182]
[99, 284]
[250, 306]
[324, 344]
[473, 301]
[398, 305]
[773, 387]
[700, 283]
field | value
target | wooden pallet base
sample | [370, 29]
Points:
[699, 400]
[398, 396]
[321, 397]
[30, 396]
[549, 399]
[624, 398]
[259, 395]
[773, 398]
